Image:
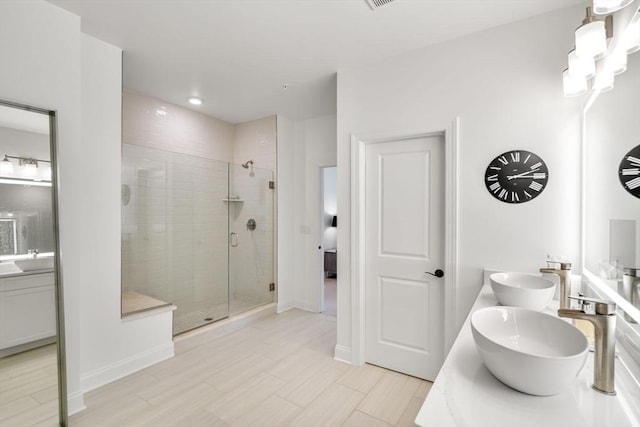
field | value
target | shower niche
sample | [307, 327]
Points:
[185, 239]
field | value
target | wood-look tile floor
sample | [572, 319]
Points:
[277, 370]
[29, 388]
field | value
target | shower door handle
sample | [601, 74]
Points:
[233, 239]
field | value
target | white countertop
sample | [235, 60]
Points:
[9, 269]
[465, 394]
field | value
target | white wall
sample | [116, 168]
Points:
[304, 147]
[505, 84]
[285, 282]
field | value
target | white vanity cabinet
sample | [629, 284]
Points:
[27, 309]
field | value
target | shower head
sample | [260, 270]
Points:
[246, 165]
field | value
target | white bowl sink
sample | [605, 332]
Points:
[522, 290]
[33, 264]
[532, 352]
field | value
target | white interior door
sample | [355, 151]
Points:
[404, 229]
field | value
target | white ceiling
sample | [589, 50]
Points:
[238, 54]
[28, 121]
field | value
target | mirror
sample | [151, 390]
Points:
[611, 191]
[612, 214]
[32, 377]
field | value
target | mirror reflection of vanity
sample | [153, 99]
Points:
[31, 342]
[611, 205]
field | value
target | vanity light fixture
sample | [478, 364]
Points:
[632, 36]
[595, 61]
[591, 37]
[604, 80]
[605, 7]
[28, 168]
[6, 167]
[618, 61]
[194, 100]
[573, 85]
[581, 66]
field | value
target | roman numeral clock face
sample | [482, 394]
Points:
[629, 171]
[516, 176]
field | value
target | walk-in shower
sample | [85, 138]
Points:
[186, 238]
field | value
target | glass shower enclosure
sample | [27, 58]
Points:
[198, 233]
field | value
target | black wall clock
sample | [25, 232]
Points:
[516, 176]
[629, 171]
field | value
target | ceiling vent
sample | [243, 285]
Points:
[374, 4]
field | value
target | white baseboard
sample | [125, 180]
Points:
[75, 403]
[342, 354]
[126, 367]
[284, 306]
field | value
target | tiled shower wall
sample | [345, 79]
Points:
[174, 229]
[175, 244]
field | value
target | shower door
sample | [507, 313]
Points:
[251, 243]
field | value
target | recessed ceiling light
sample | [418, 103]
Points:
[194, 100]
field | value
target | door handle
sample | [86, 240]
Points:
[437, 273]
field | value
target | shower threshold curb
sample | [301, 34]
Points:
[231, 323]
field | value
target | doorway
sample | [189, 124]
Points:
[328, 238]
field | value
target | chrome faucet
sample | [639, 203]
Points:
[604, 324]
[631, 289]
[564, 272]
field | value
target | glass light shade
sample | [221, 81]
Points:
[46, 173]
[573, 86]
[583, 67]
[591, 40]
[604, 81]
[632, 37]
[605, 7]
[618, 60]
[30, 169]
[6, 167]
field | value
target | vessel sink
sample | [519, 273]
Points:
[522, 290]
[33, 264]
[529, 351]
